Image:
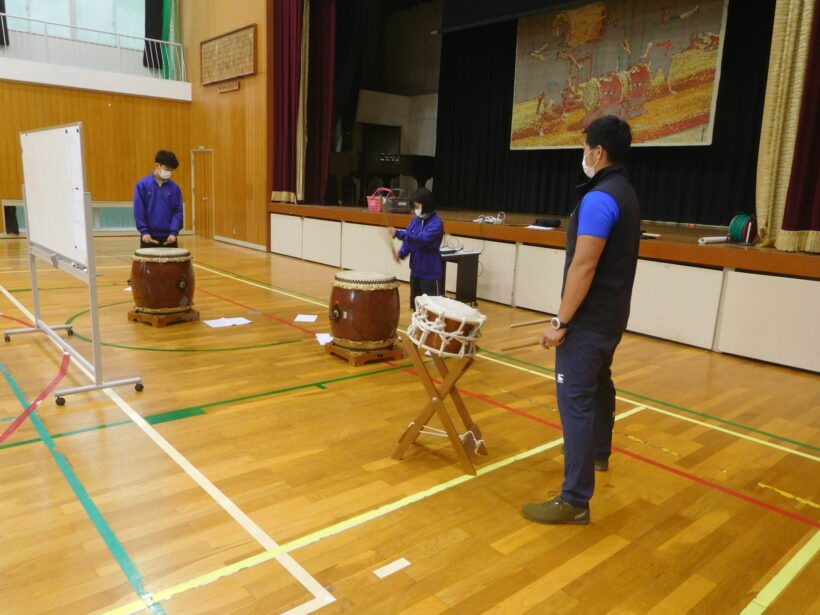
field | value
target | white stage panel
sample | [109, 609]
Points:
[322, 241]
[771, 318]
[496, 268]
[286, 235]
[538, 277]
[676, 302]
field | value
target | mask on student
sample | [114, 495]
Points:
[418, 211]
[165, 174]
[589, 171]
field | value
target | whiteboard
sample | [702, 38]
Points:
[55, 190]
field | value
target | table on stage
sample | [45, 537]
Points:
[466, 274]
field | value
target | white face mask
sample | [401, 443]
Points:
[589, 171]
[165, 174]
[418, 211]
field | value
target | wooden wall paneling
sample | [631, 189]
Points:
[233, 124]
[121, 135]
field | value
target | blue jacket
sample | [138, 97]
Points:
[422, 241]
[157, 209]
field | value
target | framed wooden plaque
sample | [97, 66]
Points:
[229, 55]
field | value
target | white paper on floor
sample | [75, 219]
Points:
[305, 318]
[324, 338]
[227, 322]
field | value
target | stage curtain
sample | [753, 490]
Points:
[287, 66]
[152, 56]
[4, 29]
[322, 51]
[302, 115]
[475, 168]
[787, 76]
[801, 219]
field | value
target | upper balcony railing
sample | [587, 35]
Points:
[36, 40]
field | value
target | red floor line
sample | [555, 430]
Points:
[33, 406]
[22, 322]
[657, 464]
[247, 307]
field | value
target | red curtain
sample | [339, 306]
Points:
[320, 97]
[802, 212]
[287, 40]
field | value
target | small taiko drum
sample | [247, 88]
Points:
[445, 327]
[364, 311]
[162, 281]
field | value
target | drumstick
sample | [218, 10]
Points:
[389, 238]
[530, 322]
[518, 346]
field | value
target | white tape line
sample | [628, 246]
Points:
[389, 569]
[783, 579]
[299, 573]
[674, 414]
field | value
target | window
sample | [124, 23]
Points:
[125, 17]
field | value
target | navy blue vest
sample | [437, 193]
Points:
[606, 306]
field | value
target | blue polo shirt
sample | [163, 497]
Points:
[157, 209]
[598, 214]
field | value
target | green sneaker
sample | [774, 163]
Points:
[601, 465]
[556, 511]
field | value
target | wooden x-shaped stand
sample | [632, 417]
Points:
[470, 441]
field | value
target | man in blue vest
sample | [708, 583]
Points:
[601, 257]
[158, 204]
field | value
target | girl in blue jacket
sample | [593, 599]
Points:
[422, 241]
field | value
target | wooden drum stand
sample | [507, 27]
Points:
[466, 444]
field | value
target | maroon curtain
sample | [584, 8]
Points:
[287, 41]
[321, 61]
[802, 211]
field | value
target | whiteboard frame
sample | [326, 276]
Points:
[86, 272]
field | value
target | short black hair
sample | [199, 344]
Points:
[611, 133]
[425, 197]
[167, 159]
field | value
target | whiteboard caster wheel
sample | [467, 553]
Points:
[138, 387]
[7, 338]
[71, 333]
[61, 401]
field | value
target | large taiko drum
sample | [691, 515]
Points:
[364, 311]
[445, 326]
[162, 281]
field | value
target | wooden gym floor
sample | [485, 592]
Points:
[253, 473]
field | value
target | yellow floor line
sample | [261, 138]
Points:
[342, 526]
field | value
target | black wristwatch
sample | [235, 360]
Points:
[556, 323]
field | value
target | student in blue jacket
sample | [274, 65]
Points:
[422, 241]
[158, 204]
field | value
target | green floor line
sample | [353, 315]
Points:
[153, 419]
[669, 405]
[115, 546]
[541, 367]
[123, 347]
[319, 385]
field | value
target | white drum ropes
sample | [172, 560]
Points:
[445, 327]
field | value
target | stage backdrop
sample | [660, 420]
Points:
[656, 65]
